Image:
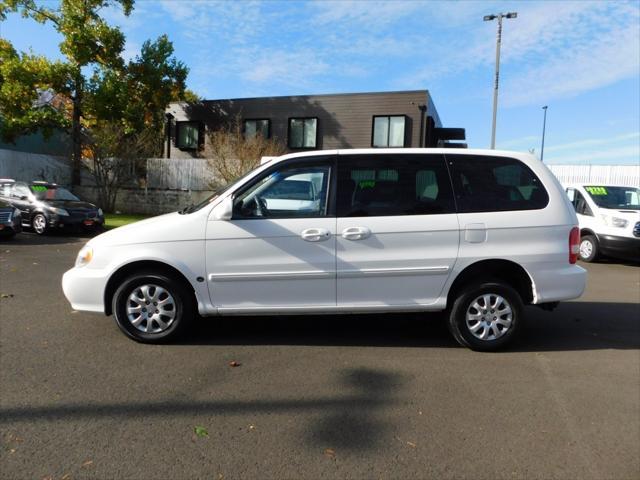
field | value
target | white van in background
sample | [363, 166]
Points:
[609, 219]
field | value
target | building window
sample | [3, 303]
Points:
[388, 131]
[261, 126]
[303, 132]
[187, 135]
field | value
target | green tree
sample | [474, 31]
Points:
[27, 98]
[128, 98]
[137, 94]
[86, 40]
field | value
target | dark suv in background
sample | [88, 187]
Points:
[45, 206]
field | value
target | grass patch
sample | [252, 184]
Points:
[115, 220]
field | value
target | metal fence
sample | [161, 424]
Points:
[626, 175]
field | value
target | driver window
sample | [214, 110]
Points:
[290, 192]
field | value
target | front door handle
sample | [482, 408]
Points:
[315, 234]
[356, 233]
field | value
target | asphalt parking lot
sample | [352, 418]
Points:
[375, 396]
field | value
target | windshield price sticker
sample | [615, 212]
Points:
[39, 188]
[596, 190]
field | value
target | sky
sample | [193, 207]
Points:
[580, 58]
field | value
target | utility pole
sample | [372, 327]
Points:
[544, 126]
[488, 18]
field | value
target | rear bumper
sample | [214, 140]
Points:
[619, 246]
[554, 284]
[84, 289]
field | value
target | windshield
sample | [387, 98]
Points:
[620, 198]
[45, 192]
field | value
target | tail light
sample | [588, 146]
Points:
[574, 245]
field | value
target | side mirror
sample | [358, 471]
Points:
[224, 210]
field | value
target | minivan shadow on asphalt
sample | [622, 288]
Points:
[572, 326]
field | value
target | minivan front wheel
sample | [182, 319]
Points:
[589, 249]
[152, 308]
[486, 316]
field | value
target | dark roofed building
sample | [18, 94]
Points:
[315, 122]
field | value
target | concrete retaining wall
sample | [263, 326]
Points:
[147, 202]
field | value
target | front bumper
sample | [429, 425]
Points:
[11, 228]
[61, 221]
[84, 288]
[615, 246]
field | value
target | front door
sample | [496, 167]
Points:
[22, 199]
[277, 253]
[397, 230]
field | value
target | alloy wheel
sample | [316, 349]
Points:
[151, 308]
[39, 223]
[489, 316]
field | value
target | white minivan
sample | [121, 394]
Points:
[475, 233]
[609, 220]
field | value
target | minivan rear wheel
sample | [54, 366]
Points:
[486, 316]
[153, 308]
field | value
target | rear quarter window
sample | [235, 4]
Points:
[495, 184]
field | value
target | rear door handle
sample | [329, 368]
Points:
[315, 234]
[356, 233]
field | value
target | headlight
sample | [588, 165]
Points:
[59, 211]
[615, 221]
[100, 214]
[84, 256]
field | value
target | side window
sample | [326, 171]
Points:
[487, 184]
[581, 205]
[303, 132]
[390, 185]
[20, 190]
[289, 192]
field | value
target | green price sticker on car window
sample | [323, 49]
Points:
[596, 190]
[367, 184]
[38, 188]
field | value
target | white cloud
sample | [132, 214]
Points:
[552, 50]
[623, 148]
[595, 142]
[370, 15]
[623, 155]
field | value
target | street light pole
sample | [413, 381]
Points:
[544, 126]
[488, 18]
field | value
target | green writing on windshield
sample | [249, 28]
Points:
[596, 190]
[367, 183]
[38, 188]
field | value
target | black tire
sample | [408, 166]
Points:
[183, 301]
[591, 246]
[463, 304]
[39, 224]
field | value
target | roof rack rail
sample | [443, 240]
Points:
[43, 182]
